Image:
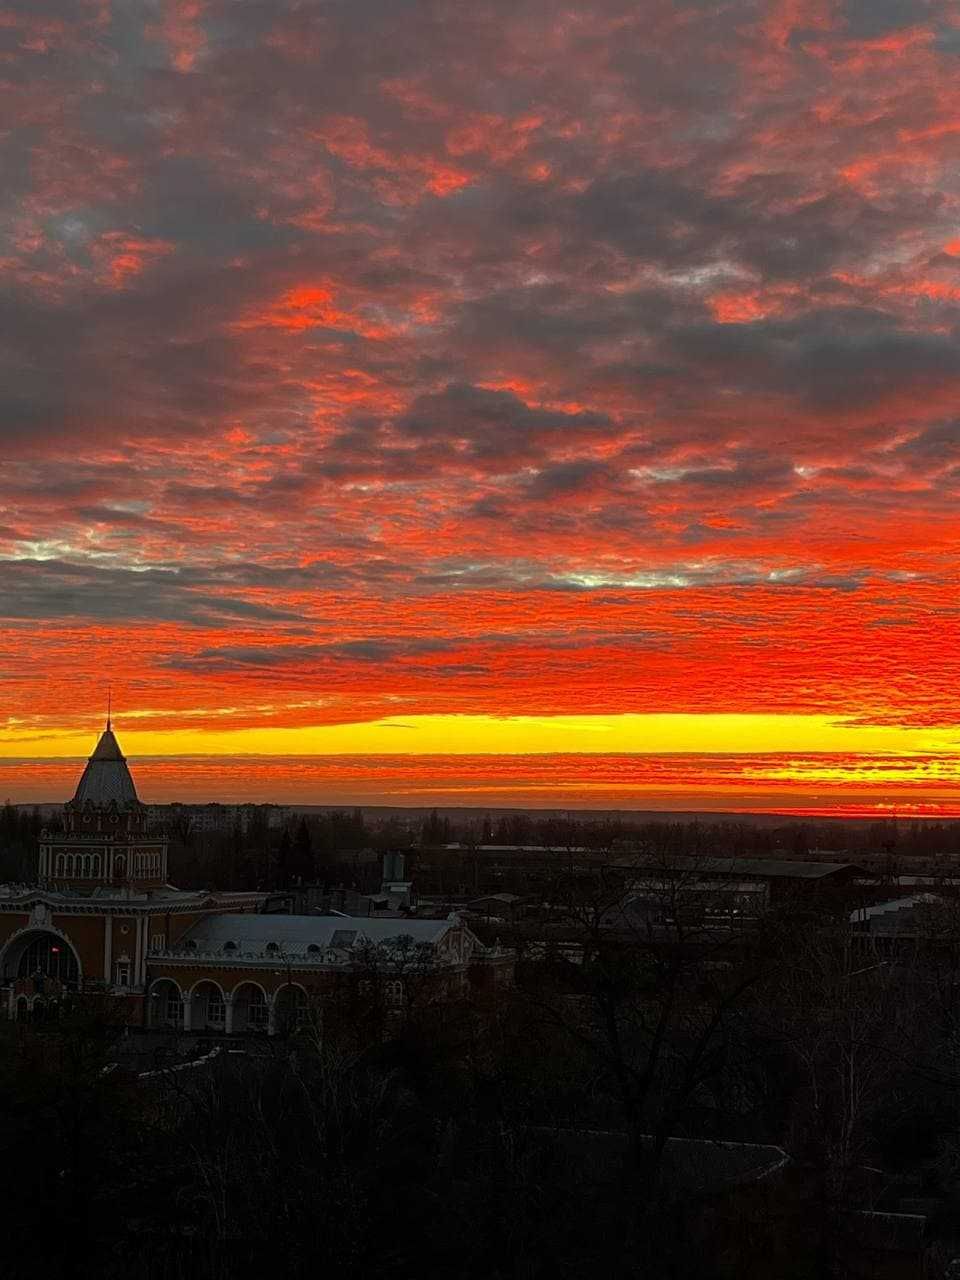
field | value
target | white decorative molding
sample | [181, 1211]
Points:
[40, 916]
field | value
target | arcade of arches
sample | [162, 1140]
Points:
[246, 1007]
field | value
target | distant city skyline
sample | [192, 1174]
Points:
[533, 405]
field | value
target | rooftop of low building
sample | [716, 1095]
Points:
[252, 933]
[745, 868]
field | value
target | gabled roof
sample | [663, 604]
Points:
[106, 778]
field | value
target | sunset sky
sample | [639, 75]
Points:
[483, 403]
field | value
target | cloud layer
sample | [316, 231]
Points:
[503, 358]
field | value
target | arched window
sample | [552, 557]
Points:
[59, 864]
[394, 991]
[207, 1007]
[272, 948]
[313, 949]
[50, 957]
[229, 947]
[291, 1006]
[68, 865]
[216, 1009]
[96, 864]
[166, 1004]
[120, 865]
[249, 1008]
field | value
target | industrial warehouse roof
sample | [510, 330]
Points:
[744, 868]
[106, 778]
[254, 933]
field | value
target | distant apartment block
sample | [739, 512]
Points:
[201, 819]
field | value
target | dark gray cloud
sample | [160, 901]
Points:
[55, 589]
[495, 426]
[867, 19]
[246, 657]
[832, 361]
[936, 444]
[566, 479]
[384, 650]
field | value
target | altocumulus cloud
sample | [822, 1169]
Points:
[360, 341]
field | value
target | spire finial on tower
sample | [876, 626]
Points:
[109, 698]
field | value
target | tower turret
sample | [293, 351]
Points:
[105, 840]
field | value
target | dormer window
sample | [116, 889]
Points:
[313, 949]
[190, 945]
[272, 947]
[229, 947]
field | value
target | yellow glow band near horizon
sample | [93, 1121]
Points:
[490, 735]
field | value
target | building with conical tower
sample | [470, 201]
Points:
[103, 922]
[105, 839]
[101, 902]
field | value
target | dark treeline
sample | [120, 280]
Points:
[786, 838]
[527, 1136]
[336, 847]
[340, 847]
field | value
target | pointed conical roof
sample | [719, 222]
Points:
[106, 777]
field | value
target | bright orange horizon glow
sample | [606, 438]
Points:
[826, 784]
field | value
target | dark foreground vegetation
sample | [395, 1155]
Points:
[813, 1075]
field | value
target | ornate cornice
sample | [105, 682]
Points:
[112, 906]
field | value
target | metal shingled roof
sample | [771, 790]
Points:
[106, 778]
